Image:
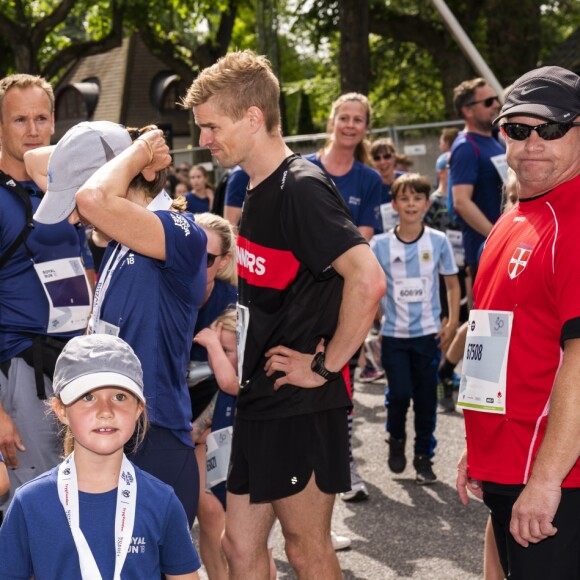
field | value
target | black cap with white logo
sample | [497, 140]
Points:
[549, 92]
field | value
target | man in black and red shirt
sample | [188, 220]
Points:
[309, 287]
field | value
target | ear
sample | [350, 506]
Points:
[140, 409]
[59, 409]
[52, 123]
[255, 118]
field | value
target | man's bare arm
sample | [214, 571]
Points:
[534, 511]
[468, 210]
[364, 285]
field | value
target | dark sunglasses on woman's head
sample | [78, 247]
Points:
[380, 156]
[212, 257]
[546, 131]
[487, 103]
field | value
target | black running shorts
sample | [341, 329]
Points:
[275, 458]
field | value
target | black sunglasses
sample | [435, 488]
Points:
[546, 131]
[380, 156]
[487, 103]
[212, 257]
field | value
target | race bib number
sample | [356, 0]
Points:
[409, 290]
[455, 238]
[484, 368]
[68, 293]
[219, 449]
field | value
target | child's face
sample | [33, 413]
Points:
[411, 206]
[180, 189]
[197, 179]
[103, 420]
[230, 346]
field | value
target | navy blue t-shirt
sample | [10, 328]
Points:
[470, 164]
[236, 187]
[24, 308]
[361, 190]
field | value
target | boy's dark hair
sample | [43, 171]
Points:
[415, 181]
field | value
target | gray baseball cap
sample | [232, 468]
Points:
[549, 92]
[93, 361]
[81, 151]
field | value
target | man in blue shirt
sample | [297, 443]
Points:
[44, 296]
[476, 158]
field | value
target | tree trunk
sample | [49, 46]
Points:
[354, 46]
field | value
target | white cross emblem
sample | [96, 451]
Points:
[518, 262]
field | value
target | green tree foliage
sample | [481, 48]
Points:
[414, 61]
[45, 36]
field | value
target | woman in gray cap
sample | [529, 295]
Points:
[152, 278]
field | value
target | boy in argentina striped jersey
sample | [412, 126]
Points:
[412, 256]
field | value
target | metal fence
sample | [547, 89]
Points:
[419, 142]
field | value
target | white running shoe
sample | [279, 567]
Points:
[339, 542]
[358, 490]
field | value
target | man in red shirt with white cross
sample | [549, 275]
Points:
[520, 385]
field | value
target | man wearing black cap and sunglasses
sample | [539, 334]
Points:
[523, 454]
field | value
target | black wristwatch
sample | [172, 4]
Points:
[318, 367]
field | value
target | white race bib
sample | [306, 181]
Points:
[389, 216]
[501, 166]
[484, 367]
[68, 293]
[219, 449]
[242, 323]
[455, 238]
[408, 290]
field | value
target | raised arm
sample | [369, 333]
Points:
[36, 163]
[106, 201]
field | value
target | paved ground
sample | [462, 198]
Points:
[404, 530]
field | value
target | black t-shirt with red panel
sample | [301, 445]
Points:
[294, 225]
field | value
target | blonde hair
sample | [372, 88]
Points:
[24, 81]
[225, 231]
[236, 82]
[68, 437]
[361, 152]
[228, 319]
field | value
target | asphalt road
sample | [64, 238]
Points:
[404, 530]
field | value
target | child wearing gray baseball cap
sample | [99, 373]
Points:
[96, 503]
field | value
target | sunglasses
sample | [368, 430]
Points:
[212, 257]
[546, 131]
[487, 103]
[380, 156]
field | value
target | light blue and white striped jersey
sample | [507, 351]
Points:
[411, 306]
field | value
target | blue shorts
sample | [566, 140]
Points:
[163, 455]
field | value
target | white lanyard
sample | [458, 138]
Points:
[161, 202]
[68, 494]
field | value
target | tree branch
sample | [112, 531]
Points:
[88, 48]
[47, 24]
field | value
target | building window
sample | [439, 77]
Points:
[77, 101]
[167, 89]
